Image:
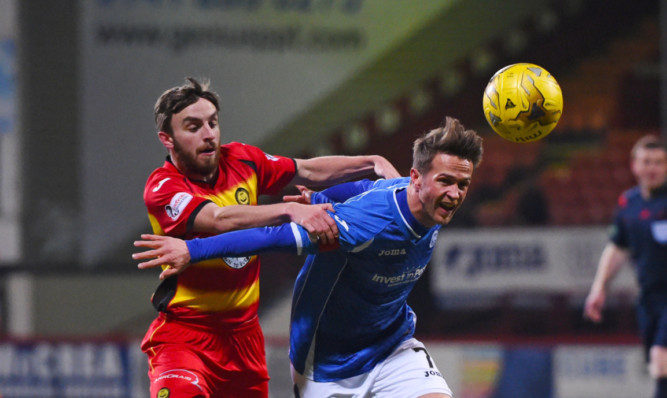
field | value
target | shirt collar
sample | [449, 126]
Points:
[415, 226]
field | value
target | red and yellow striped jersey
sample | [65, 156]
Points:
[218, 292]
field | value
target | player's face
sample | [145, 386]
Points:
[442, 189]
[650, 167]
[196, 140]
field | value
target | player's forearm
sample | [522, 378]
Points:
[286, 237]
[326, 170]
[232, 218]
[611, 261]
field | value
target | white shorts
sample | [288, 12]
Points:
[409, 372]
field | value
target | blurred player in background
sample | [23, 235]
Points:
[206, 340]
[351, 331]
[639, 236]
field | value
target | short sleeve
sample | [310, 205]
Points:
[171, 204]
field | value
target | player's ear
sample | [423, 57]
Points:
[415, 179]
[166, 139]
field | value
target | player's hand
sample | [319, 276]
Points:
[593, 306]
[165, 250]
[316, 221]
[303, 198]
[385, 169]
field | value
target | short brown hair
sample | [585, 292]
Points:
[452, 139]
[178, 98]
[647, 142]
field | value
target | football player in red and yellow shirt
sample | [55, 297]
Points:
[206, 340]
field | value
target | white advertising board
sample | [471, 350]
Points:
[540, 260]
[600, 371]
[80, 369]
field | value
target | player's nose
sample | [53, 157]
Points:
[453, 192]
[208, 133]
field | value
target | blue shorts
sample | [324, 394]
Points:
[652, 318]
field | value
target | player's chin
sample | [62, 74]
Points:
[208, 164]
[444, 216]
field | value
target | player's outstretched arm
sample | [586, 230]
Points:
[214, 219]
[327, 170]
[176, 254]
[611, 261]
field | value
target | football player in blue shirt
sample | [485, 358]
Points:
[639, 236]
[351, 332]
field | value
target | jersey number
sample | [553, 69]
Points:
[431, 371]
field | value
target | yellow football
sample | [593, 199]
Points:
[522, 102]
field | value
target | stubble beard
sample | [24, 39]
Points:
[204, 168]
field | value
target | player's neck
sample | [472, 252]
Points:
[417, 208]
[194, 175]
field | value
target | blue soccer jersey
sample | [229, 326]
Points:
[640, 226]
[349, 309]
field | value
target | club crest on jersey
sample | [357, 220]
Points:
[177, 205]
[242, 196]
[237, 262]
[163, 393]
[434, 238]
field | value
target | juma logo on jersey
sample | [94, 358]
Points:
[391, 252]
